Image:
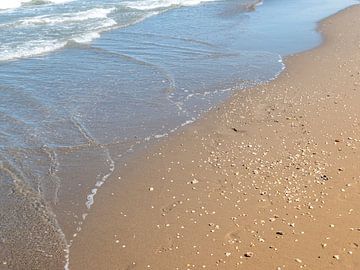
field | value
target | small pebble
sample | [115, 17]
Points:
[194, 181]
[249, 254]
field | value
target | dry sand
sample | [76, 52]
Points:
[268, 180]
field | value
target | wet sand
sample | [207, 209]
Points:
[268, 180]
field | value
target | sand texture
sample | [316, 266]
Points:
[268, 180]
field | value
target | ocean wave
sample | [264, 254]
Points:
[87, 26]
[95, 13]
[46, 33]
[30, 49]
[162, 4]
[42, 47]
[12, 4]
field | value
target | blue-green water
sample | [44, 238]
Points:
[83, 83]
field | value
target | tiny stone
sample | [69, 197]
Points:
[337, 257]
[280, 233]
[324, 177]
[249, 254]
[151, 189]
[298, 260]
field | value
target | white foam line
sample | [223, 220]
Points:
[90, 197]
[158, 4]
[158, 136]
[13, 4]
[31, 49]
[67, 257]
[91, 14]
[188, 122]
[283, 67]
[89, 37]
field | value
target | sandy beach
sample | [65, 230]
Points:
[268, 180]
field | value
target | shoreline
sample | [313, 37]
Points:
[249, 185]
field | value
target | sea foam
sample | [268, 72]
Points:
[11, 4]
[162, 4]
[87, 26]
[92, 14]
[33, 48]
